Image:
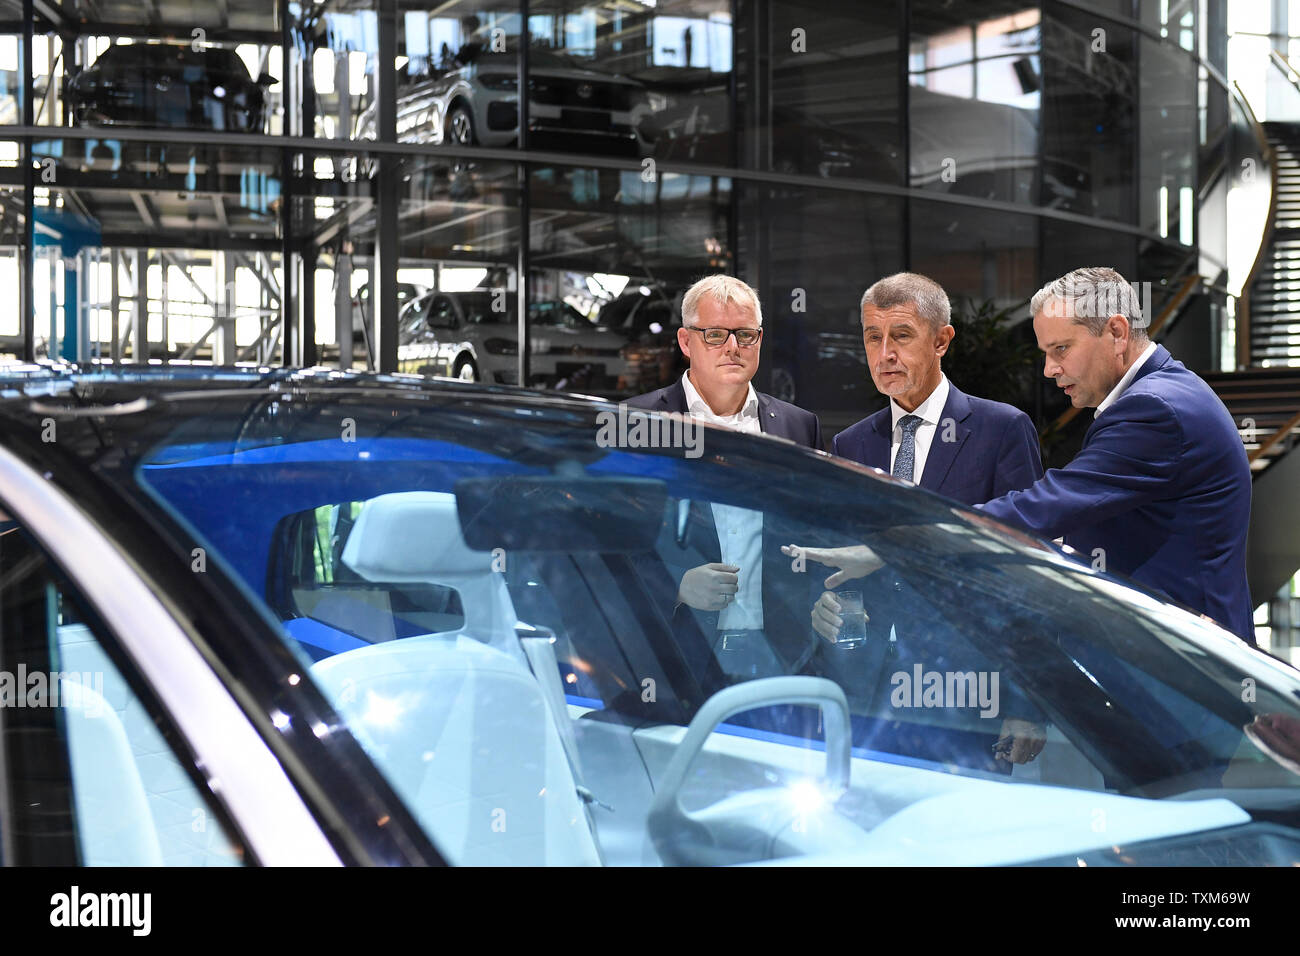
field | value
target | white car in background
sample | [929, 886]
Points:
[475, 102]
[462, 335]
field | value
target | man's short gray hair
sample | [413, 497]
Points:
[722, 289]
[910, 288]
[1094, 294]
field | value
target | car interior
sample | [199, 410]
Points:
[577, 779]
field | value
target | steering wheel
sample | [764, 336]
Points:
[757, 824]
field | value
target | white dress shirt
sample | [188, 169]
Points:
[1126, 381]
[740, 530]
[929, 412]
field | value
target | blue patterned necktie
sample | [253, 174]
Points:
[906, 457]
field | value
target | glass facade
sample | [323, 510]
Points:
[362, 184]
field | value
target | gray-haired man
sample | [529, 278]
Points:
[727, 562]
[1160, 489]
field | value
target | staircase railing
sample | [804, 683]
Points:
[1267, 444]
[1266, 237]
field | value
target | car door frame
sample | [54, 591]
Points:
[260, 747]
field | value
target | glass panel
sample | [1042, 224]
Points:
[12, 241]
[1168, 143]
[338, 62]
[973, 103]
[986, 255]
[186, 235]
[219, 69]
[457, 229]
[1173, 21]
[11, 72]
[1248, 196]
[1089, 115]
[812, 253]
[132, 797]
[613, 251]
[457, 75]
[827, 105]
[632, 80]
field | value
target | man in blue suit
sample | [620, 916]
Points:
[1161, 489]
[955, 444]
[934, 434]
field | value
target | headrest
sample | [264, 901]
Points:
[412, 536]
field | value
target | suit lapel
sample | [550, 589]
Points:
[875, 451]
[767, 414]
[705, 537]
[948, 439]
[1159, 358]
[673, 397]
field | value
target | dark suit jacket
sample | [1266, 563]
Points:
[690, 537]
[1162, 486]
[994, 448]
[775, 416]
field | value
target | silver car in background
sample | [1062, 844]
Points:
[475, 102]
[462, 335]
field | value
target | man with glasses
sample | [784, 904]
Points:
[726, 564]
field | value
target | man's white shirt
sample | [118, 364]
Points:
[1126, 381]
[930, 412]
[740, 530]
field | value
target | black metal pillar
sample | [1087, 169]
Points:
[27, 303]
[383, 280]
[291, 339]
[523, 264]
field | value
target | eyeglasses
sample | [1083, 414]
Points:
[745, 338]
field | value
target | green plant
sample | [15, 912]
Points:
[991, 356]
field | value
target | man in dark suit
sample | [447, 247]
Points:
[964, 447]
[726, 561]
[967, 448]
[1161, 489]
[932, 433]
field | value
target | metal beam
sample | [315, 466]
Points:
[140, 313]
[383, 276]
[26, 298]
[261, 267]
[114, 302]
[48, 11]
[226, 311]
[343, 220]
[523, 173]
[141, 203]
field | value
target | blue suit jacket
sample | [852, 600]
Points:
[1162, 486]
[993, 448]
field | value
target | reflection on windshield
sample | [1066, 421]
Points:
[568, 658]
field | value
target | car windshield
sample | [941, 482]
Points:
[495, 596]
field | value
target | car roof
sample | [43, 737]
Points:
[122, 54]
[25, 388]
